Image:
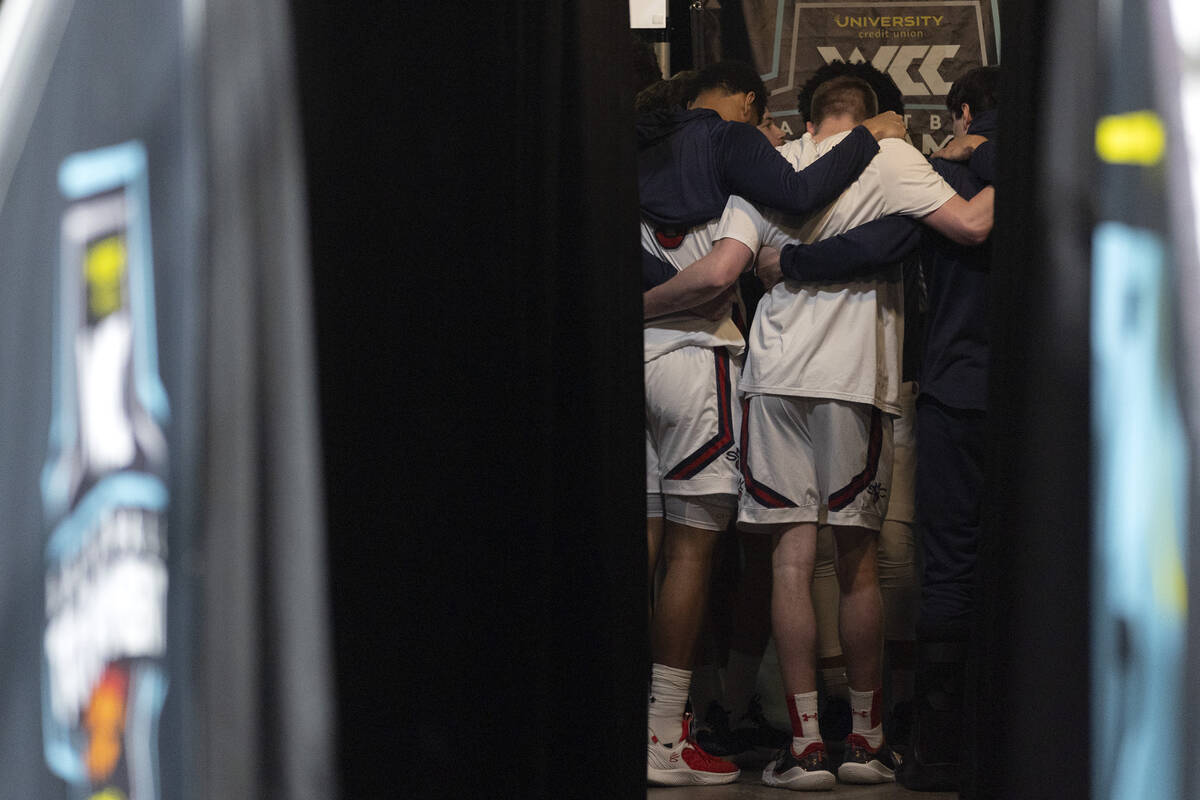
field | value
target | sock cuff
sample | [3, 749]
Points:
[668, 692]
[802, 709]
[673, 675]
[867, 707]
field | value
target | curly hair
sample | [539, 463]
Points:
[675, 92]
[733, 77]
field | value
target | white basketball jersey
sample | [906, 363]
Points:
[841, 341]
[680, 248]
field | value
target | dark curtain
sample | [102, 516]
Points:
[1034, 561]
[265, 725]
[473, 219]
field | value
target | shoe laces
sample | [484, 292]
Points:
[707, 760]
[689, 736]
[808, 760]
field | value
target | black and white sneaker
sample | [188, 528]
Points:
[864, 764]
[808, 772]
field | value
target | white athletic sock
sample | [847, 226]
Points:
[741, 681]
[866, 710]
[802, 708]
[668, 698]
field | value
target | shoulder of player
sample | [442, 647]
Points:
[803, 151]
[798, 152]
[793, 145]
[898, 154]
[958, 175]
[899, 148]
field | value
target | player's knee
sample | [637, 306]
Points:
[710, 512]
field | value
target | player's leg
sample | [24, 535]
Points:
[898, 578]
[654, 513]
[792, 619]
[673, 758]
[678, 612]
[898, 584]
[712, 651]
[831, 663]
[860, 606]
[691, 421]
[751, 631]
[780, 493]
[682, 595]
[856, 442]
[654, 542]
[867, 758]
[804, 764]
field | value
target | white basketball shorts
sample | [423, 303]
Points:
[814, 460]
[692, 421]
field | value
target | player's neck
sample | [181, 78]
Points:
[833, 125]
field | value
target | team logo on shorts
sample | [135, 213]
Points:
[669, 238]
[877, 491]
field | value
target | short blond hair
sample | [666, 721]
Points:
[844, 94]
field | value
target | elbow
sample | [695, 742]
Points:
[713, 281]
[978, 233]
[729, 275]
[978, 236]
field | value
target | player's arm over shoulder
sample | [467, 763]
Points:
[915, 189]
[965, 222]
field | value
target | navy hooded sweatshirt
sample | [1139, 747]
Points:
[690, 162]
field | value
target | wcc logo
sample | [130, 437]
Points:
[898, 61]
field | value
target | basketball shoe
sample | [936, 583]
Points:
[808, 772]
[862, 764]
[684, 763]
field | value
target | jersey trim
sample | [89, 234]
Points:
[723, 440]
[844, 496]
[763, 495]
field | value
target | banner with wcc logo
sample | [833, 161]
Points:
[924, 46]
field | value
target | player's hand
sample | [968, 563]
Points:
[717, 308]
[960, 148]
[767, 267]
[888, 125]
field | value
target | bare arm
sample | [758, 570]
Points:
[968, 223]
[700, 282]
[960, 148]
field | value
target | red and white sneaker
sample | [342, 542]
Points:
[684, 763]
